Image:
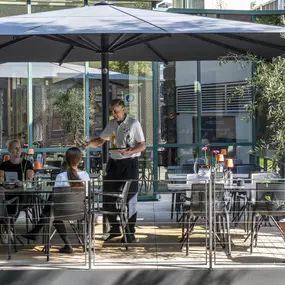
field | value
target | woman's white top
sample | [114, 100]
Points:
[62, 179]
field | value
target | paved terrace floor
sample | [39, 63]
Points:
[158, 247]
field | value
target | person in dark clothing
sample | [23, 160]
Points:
[126, 144]
[73, 158]
[16, 162]
[20, 166]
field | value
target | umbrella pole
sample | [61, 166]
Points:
[105, 103]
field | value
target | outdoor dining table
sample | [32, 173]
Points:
[234, 189]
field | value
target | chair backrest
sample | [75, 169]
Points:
[3, 207]
[187, 168]
[199, 198]
[54, 173]
[125, 193]
[69, 203]
[246, 168]
[257, 176]
[192, 178]
[55, 163]
[270, 196]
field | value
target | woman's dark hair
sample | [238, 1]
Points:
[73, 157]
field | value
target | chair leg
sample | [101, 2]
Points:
[187, 233]
[124, 230]
[14, 238]
[77, 232]
[172, 204]
[258, 228]
[228, 242]
[27, 223]
[9, 237]
[48, 240]
[252, 232]
[224, 229]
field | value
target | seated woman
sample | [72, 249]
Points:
[73, 158]
[16, 162]
[20, 166]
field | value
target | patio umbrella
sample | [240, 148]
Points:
[106, 32]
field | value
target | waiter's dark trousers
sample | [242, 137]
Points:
[119, 171]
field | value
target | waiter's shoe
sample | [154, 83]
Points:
[66, 249]
[114, 232]
[130, 239]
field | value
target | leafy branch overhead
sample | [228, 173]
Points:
[268, 104]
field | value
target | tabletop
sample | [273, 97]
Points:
[231, 188]
[183, 176]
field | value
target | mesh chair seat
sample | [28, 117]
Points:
[67, 204]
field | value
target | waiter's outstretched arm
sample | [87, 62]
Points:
[95, 143]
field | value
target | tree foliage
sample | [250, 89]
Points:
[268, 104]
[135, 68]
[70, 105]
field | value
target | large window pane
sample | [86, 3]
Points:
[13, 88]
[131, 82]
[178, 103]
[13, 102]
[222, 114]
[58, 103]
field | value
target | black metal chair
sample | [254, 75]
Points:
[7, 221]
[197, 206]
[270, 203]
[67, 204]
[122, 208]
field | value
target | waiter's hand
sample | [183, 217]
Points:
[126, 151]
[80, 143]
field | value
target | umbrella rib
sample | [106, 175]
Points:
[57, 39]
[91, 43]
[254, 41]
[116, 8]
[156, 53]
[75, 42]
[66, 54]
[142, 40]
[211, 41]
[14, 41]
[129, 40]
[116, 40]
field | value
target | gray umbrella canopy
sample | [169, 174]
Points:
[130, 34]
[106, 32]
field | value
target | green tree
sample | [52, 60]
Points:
[268, 104]
[70, 105]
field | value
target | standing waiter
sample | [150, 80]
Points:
[126, 144]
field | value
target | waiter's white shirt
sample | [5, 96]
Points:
[128, 134]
